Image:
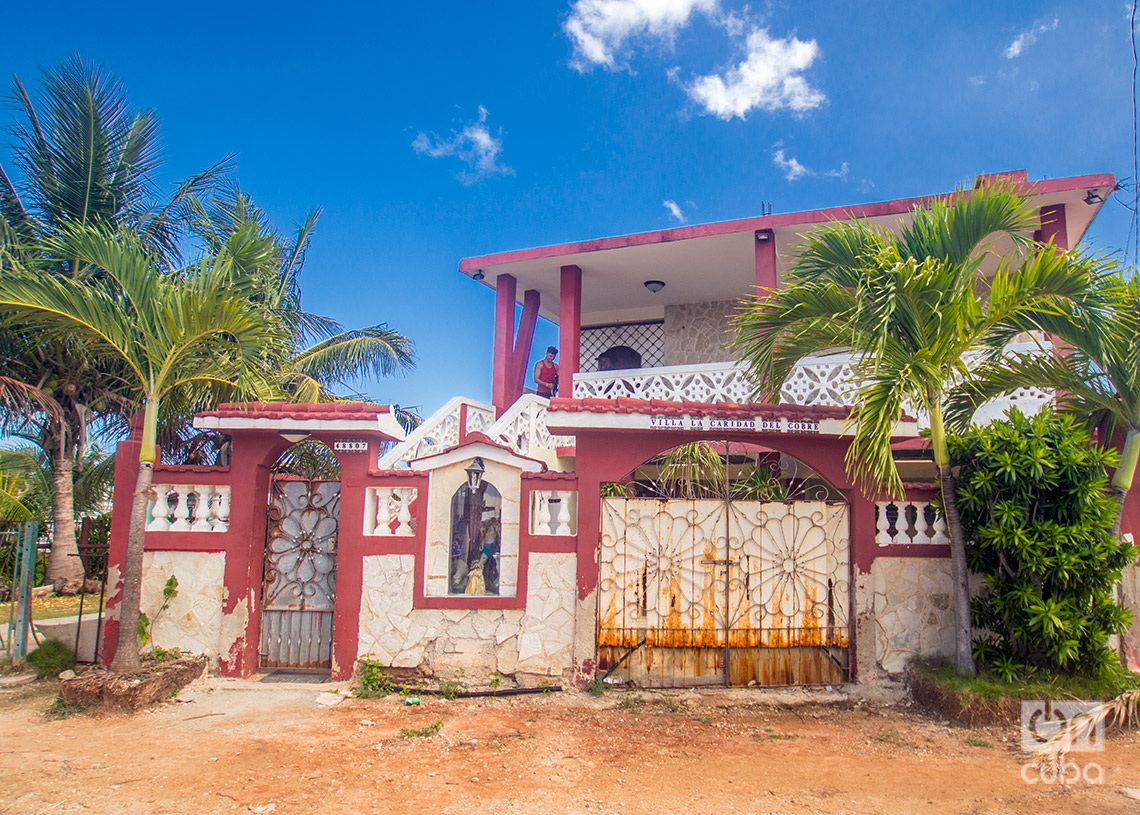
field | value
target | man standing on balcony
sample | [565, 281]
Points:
[546, 374]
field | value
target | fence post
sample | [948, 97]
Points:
[27, 562]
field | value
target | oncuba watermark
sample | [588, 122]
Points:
[1043, 724]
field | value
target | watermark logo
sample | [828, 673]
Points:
[1042, 720]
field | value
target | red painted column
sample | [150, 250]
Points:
[505, 287]
[523, 342]
[1054, 227]
[569, 327]
[766, 276]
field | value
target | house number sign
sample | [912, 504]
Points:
[350, 446]
[753, 425]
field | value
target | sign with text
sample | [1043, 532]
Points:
[752, 424]
[350, 446]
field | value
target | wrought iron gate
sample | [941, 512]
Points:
[712, 592]
[300, 575]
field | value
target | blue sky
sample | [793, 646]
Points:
[434, 131]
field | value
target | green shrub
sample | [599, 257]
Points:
[52, 658]
[1034, 508]
[372, 681]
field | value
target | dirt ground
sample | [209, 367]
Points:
[232, 746]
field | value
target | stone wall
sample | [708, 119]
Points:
[537, 640]
[697, 333]
[193, 620]
[913, 610]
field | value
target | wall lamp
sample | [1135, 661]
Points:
[1093, 197]
[655, 285]
[479, 275]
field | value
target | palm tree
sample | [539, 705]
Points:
[172, 332]
[1095, 374]
[85, 157]
[911, 307]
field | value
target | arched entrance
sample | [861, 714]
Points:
[299, 585]
[724, 563]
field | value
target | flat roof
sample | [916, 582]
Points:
[716, 261]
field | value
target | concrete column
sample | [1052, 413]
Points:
[502, 378]
[569, 327]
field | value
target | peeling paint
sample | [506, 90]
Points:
[232, 639]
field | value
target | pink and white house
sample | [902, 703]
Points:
[522, 536]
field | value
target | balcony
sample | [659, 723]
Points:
[820, 380]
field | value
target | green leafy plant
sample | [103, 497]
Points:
[454, 685]
[496, 681]
[976, 741]
[51, 658]
[169, 592]
[372, 680]
[614, 489]
[60, 708]
[163, 654]
[421, 732]
[596, 687]
[1032, 492]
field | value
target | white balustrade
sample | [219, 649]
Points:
[189, 508]
[439, 431]
[522, 427]
[909, 522]
[554, 512]
[388, 511]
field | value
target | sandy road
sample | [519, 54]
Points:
[243, 747]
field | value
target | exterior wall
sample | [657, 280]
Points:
[444, 482]
[193, 620]
[536, 640]
[913, 610]
[697, 333]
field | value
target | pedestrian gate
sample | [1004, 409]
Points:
[300, 575]
[711, 592]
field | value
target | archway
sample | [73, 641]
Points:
[724, 562]
[299, 583]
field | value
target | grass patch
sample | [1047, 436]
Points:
[421, 732]
[976, 741]
[596, 687]
[891, 738]
[49, 608]
[61, 709]
[632, 703]
[989, 699]
[51, 658]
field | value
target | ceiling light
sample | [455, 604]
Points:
[655, 285]
[1093, 197]
[479, 275]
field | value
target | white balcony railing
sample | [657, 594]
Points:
[821, 380]
[440, 431]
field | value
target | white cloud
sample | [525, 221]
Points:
[977, 80]
[841, 173]
[1029, 37]
[674, 210]
[473, 145]
[600, 29]
[790, 167]
[769, 78]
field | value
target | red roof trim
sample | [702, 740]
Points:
[325, 411]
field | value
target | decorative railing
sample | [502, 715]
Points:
[523, 427]
[553, 513]
[909, 522]
[189, 508]
[440, 431]
[388, 511]
[819, 380]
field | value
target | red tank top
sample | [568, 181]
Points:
[547, 372]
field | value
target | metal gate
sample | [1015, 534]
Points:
[300, 575]
[712, 592]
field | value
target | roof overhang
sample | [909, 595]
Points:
[716, 261]
[282, 417]
[483, 449]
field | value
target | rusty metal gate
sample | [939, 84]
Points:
[300, 575]
[712, 592]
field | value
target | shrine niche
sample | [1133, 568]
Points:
[476, 535]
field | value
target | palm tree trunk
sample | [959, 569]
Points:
[959, 574]
[126, 658]
[1124, 475]
[64, 562]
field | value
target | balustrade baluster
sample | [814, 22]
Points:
[383, 512]
[220, 514]
[542, 526]
[159, 511]
[921, 524]
[563, 520]
[201, 509]
[883, 524]
[181, 509]
[404, 515]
